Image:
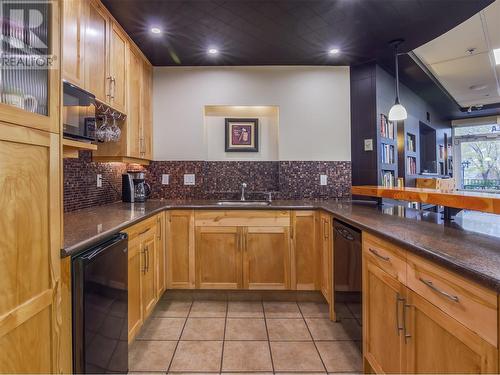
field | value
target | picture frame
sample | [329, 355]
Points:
[242, 135]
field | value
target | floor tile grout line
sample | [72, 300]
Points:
[224, 338]
[267, 334]
[177, 344]
[313, 341]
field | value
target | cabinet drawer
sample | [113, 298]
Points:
[469, 303]
[141, 228]
[385, 255]
[242, 218]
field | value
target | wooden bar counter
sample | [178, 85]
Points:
[467, 200]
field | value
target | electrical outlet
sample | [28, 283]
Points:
[323, 179]
[368, 144]
[189, 179]
[165, 179]
[99, 180]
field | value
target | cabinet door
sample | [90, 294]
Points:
[134, 112]
[305, 258]
[266, 258]
[73, 37]
[135, 265]
[147, 108]
[148, 282]
[326, 247]
[180, 249]
[117, 68]
[218, 258]
[160, 265]
[383, 299]
[96, 44]
[30, 266]
[437, 343]
[29, 96]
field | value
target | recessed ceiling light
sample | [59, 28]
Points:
[334, 51]
[213, 51]
[156, 30]
[496, 53]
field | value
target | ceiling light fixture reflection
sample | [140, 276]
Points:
[156, 30]
[496, 53]
[334, 51]
[213, 51]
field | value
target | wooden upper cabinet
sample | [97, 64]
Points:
[147, 111]
[218, 257]
[96, 46]
[118, 68]
[266, 258]
[73, 41]
[437, 343]
[180, 249]
[383, 300]
[30, 269]
[134, 113]
[305, 256]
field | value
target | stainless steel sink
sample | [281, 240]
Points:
[242, 203]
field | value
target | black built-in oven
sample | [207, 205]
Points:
[79, 121]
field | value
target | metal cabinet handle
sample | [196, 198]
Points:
[144, 231]
[143, 252]
[325, 228]
[405, 328]
[430, 284]
[147, 253]
[399, 299]
[158, 220]
[376, 253]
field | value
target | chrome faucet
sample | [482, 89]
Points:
[243, 187]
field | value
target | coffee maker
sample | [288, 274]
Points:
[134, 188]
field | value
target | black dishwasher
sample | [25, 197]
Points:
[100, 303]
[347, 263]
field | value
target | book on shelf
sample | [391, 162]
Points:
[387, 154]
[387, 179]
[386, 127]
[411, 165]
[441, 151]
[410, 143]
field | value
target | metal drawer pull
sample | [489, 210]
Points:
[375, 252]
[398, 299]
[405, 331]
[442, 292]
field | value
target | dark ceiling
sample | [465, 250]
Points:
[293, 32]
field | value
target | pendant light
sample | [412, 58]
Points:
[398, 111]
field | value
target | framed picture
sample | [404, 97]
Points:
[242, 135]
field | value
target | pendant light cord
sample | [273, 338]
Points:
[397, 72]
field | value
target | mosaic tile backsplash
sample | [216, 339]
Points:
[214, 180]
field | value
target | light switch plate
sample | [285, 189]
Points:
[99, 180]
[369, 144]
[323, 180]
[189, 179]
[165, 179]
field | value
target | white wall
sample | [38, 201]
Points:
[314, 108]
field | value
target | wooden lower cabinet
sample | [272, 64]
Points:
[149, 261]
[218, 258]
[326, 254]
[180, 249]
[135, 317]
[266, 258]
[160, 256]
[305, 257]
[404, 332]
[437, 343]
[382, 312]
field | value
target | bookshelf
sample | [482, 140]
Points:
[388, 152]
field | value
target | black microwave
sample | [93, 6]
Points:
[79, 121]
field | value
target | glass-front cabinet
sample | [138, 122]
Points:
[29, 63]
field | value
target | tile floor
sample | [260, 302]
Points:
[193, 334]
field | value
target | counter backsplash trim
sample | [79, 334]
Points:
[214, 180]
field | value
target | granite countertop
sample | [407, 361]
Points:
[456, 245]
